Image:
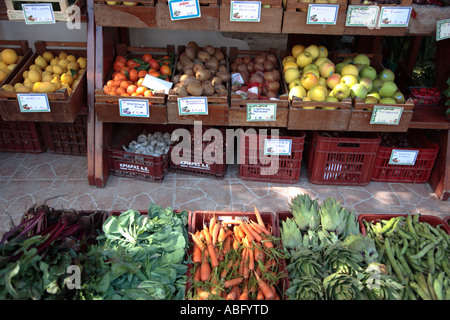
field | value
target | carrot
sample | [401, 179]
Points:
[223, 234]
[212, 224]
[267, 242]
[270, 263]
[235, 244]
[264, 287]
[213, 256]
[225, 270]
[245, 294]
[208, 237]
[233, 282]
[205, 272]
[242, 263]
[251, 259]
[197, 274]
[198, 241]
[260, 295]
[247, 232]
[203, 294]
[245, 269]
[274, 290]
[259, 253]
[215, 233]
[197, 254]
[232, 295]
[258, 217]
[262, 228]
[226, 245]
[255, 234]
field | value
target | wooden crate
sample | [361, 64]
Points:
[22, 49]
[237, 113]
[217, 106]
[60, 15]
[377, 31]
[142, 15]
[107, 106]
[311, 115]
[208, 21]
[270, 22]
[63, 107]
[362, 113]
[296, 13]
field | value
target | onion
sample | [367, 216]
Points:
[258, 67]
[247, 59]
[250, 67]
[272, 58]
[233, 66]
[256, 78]
[268, 66]
[238, 60]
[271, 94]
[259, 59]
[273, 86]
[241, 68]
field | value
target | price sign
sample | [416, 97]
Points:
[39, 13]
[322, 14]
[192, 106]
[157, 84]
[403, 157]
[236, 78]
[245, 11]
[134, 108]
[184, 9]
[281, 147]
[386, 115]
[394, 17]
[442, 29]
[33, 102]
[261, 111]
[362, 16]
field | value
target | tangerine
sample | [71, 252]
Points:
[154, 64]
[118, 65]
[148, 93]
[133, 75]
[141, 90]
[142, 73]
[165, 70]
[121, 58]
[147, 57]
[131, 88]
[120, 76]
[121, 90]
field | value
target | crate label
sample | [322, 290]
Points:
[33, 102]
[134, 168]
[443, 29]
[261, 111]
[245, 11]
[192, 105]
[403, 157]
[236, 78]
[134, 108]
[194, 165]
[184, 9]
[154, 83]
[281, 147]
[394, 17]
[39, 13]
[386, 115]
[362, 16]
[322, 14]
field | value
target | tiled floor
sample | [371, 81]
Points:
[27, 179]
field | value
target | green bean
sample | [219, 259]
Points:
[389, 225]
[431, 287]
[393, 262]
[420, 291]
[430, 261]
[423, 252]
[428, 236]
[437, 286]
[446, 267]
[403, 233]
[416, 217]
[405, 246]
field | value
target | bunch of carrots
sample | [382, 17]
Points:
[236, 260]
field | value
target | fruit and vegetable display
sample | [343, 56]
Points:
[201, 71]
[312, 76]
[256, 77]
[128, 74]
[8, 61]
[51, 72]
[236, 259]
[428, 96]
[329, 258]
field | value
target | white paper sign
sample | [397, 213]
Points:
[39, 13]
[442, 29]
[236, 78]
[33, 102]
[362, 16]
[156, 84]
[403, 157]
[184, 9]
[192, 106]
[386, 115]
[394, 17]
[245, 11]
[134, 108]
[322, 13]
[280, 147]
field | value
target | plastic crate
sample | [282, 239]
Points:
[421, 99]
[66, 138]
[346, 159]
[135, 165]
[418, 173]
[21, 136]
[432, 220]
[278, 168]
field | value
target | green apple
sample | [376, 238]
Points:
[388, 89]
[367, 83]
[376, 95]
[371, 99]
[310, 66]
[321, 60]
[297, 91]
[333, 80]
[323, 51]
[340, 66]
[323, 82]
[350, 69]
[387, 101]
[327, 69]
[377, 83]
[358, 90]
[399, 97]
[368, 72]
[294, 83]
[386, 75]
[349, 80]
[317, 93]
[291, 74]
[332, 99]
[313, 50]
[341, 91]
[304, 58]
[361, 59]
[130, 3]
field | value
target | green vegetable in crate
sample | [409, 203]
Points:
[343, 286]
[305, 211]
[378, 285]
[363, 245]
[337, 219]
[338, 258]
[305, 262]
[291, 235]
[305, 288]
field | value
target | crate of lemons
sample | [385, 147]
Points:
[49, 73]
[8, 61]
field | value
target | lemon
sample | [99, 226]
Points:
[48, 56]
[81, 71]
[8, 88]
[49, 68]
[54, 61]
[67, 79]
[73, 66]
[11, 66]
[57, 82]
[63, 63]
[46, 76]
[82, 62]
[9, 56]
[36, 86]
[58, 69]
[23, 89]
[25, 74]
[35, 67]
[75, 83]
[3, 65]
[41, 62]
[71, 58]
[18, 84]
[34, 76]
[27, 83]
[3, 74]
[46, 87]
[62, 55]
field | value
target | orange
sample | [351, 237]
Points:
[125, 94]
[147, 57]
[131, 88]
[154, 74]
[124, 84]
[148, 93]
[120, 90]
[134, 94]
[133, 75]
[141, 90]
[110, 83]
[139, 82]
[142, 73]
[119, 76]
[118, 65]
[125, 70]
[106, 89]
[121, 58]
[165, 70]
[131, 63]
[154, 64]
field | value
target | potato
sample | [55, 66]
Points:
[203, 75]
[194, 89]
[225, 76]
[216, 80]
[220, 89]
[181, 90]
[191, 52]
[218, 54]
[198, 66]
[208, 89]
[210, 49]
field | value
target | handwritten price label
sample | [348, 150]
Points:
[322, 14]
[443, 29]
[33, 102]
[134, 108]
[41, 13]
[394, 17]
[245, 11]
[362, 16]
[386, 115]
[281, 147]
[192, 106]
[184, 9]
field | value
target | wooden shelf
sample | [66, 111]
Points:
[429, 117]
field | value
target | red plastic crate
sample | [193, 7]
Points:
[135, 165]
[432, 220]
[252, 168]
[66, 138]
[21, 136]
[347, 159]
[418, 173]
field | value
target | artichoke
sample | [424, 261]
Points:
[332, 216]
[305, 211]
[338, 258]
[291, 235]
[305, 288]
[305, 262]
[342, 286]
[378, 285]
[362, 245]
